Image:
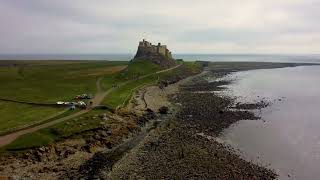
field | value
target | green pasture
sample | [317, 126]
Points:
[15, 115]
[46, 82]
[43, 83]
[59, 131]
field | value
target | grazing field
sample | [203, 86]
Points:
[56, 132]
[15, 115]
[48, 82]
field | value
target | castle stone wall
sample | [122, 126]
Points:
[162, 50]
[159, 54]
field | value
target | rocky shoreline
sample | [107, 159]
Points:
[184, 147]
[68, 156]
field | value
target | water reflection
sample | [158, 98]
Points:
[288, 138]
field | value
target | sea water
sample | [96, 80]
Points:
[287, 138]
[187, 57]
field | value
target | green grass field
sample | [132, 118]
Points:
[15, 115]
[46, 82]
[119, 95]
[134, 70]
[61, 130]
[53, 82]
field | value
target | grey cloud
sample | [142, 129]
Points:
[72, 26]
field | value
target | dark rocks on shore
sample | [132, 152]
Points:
[182, 154]
[205, 86]
[163, 110]
[179, 154]
[188, 149]
[249, 106]
[209, 112]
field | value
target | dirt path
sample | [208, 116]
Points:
[98, 98]
[36, 123]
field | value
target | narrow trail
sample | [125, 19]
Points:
[28, 126]
[98, 98]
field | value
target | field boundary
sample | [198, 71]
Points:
[29, 103]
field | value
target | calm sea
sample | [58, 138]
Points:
[287, 138]
[187, 57]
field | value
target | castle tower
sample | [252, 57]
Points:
[158, 47]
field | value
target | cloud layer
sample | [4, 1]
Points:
[187, 26]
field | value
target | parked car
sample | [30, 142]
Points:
[60, 103]
[66, 103]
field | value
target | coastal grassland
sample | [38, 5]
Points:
[134, 70]
[45, 82]
[61, 130]
[132, 75]
[120, 95]
[15, 115]
[51, 81]
[187, 68]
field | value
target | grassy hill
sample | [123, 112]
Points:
[133, 74]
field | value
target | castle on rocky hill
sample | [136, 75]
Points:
[159, 54]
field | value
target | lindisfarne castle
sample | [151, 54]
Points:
[158, 54]
[147, 47]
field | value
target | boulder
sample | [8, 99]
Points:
[163, 110]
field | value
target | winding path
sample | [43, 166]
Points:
[98, 98]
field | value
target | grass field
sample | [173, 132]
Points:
[46, 82]
[56, 132]
[120, 95]
[15, 115]
[133, 73]
[134, 70]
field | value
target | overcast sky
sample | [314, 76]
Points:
[186, 26]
